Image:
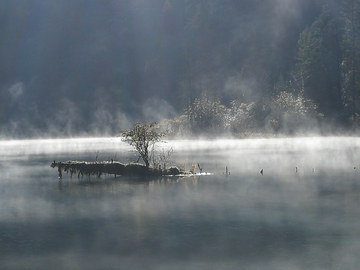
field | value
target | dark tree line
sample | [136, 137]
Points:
[320, 92]
[327, 60]
[95, 66]
[350, 62]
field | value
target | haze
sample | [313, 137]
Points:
[85, 68]
[283, 219]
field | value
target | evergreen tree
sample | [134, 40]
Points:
[351, 60]
[317, 72]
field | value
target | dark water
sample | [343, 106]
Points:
[307, 218]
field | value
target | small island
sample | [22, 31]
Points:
[111, 167]
[143, 138]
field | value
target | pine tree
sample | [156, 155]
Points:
[317, 73]
[350, 64]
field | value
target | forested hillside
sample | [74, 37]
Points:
[92, 67]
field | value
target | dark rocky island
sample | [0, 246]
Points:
[143, 138]
[111, 167]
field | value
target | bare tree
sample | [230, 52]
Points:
[142, 137]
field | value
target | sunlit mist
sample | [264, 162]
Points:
[300, 212]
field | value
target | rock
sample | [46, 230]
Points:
[135, 169]
[116, 168]
[173, 171]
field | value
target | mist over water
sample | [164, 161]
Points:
[284, 219]
[74, 69]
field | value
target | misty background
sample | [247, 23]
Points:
[93, 67]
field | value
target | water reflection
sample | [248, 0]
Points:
[283, 219]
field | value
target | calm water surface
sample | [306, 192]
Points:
[287, 218]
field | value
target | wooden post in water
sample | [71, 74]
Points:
[226, 171]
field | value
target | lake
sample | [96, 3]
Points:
[302, 212]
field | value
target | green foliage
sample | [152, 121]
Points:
[206, 116]
[143, 137]
[240, 117]
[175, 127]
[291, 113]
[213, 118]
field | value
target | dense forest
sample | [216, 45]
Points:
[93, 67]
